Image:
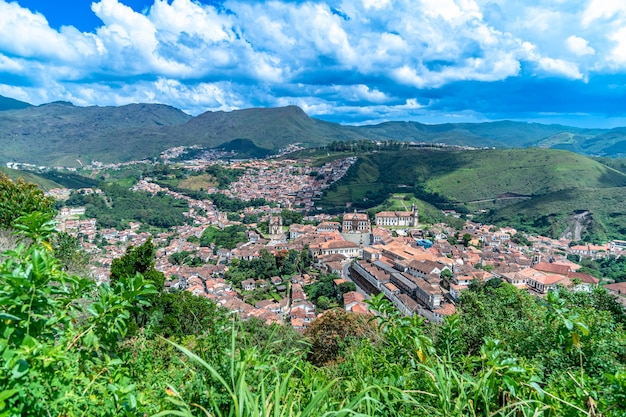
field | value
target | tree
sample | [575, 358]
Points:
[345, 287]
[466, 239]
[265, 265]
[223, 238]
[57, 329]
[446, 274]
[136, 260]
[19, 198]
[334, 332]
[291, 217]
[68, 251]
[323, 303]
[181, 314]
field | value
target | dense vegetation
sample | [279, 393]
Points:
[69, 180]
[178, 179]
[611, 268]
[120, 205]
[223, 176]
[325, 294]
[245, 148]
[223, 238]
[283, 264]
[225, 203]
[29, 177]
[185, 258]
[18, 198]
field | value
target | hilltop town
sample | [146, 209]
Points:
[422, 268]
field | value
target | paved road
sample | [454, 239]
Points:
[346, 273]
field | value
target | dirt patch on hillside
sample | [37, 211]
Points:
[576, 225]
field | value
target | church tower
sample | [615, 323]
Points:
[276, 225]
[414, 215]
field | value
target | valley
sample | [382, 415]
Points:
[325, 238]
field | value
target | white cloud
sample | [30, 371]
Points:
[618, 54]
[130, 38]
[372, 95]
[10, 65]
[551, 66]
[184, 16]
[579, 46]
[376, 4]
[378, 52]
[560, 67]
[28, 35]
[451, 10]
[602, 9]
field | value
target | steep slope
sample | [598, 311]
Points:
[538, 189]
[7, 103]
[267, 128]
[43, 183]
[553, 214]
[486, 174]
[60, 133]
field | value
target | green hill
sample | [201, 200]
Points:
[245, 148]
[7, 103]
[506, 134]
[516, 187]
[486, 174]
[266, 128]
[63, 134]
[43, 183]
[604, 212]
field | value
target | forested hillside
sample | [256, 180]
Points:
[536, 190]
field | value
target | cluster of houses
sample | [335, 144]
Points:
[286, 182]
[420, 271]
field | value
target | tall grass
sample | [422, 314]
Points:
[262, 384]
[400, 374]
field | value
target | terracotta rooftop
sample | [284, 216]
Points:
[552, 268]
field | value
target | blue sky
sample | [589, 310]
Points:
[348, 61]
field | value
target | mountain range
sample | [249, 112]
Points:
[61, 133]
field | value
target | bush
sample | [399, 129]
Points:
[19, 198]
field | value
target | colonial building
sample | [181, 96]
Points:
[276, 225]
[342, 247]
[355, 222]
[328, 227]
[397, 218]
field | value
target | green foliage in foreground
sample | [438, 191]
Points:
[18, 198]
[66, 350]
[30, 177]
